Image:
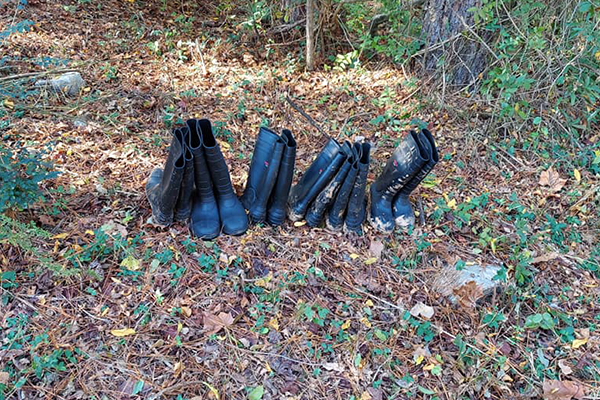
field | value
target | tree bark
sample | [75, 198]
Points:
[463, 55]
[310, 35]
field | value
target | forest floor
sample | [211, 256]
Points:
[118, 308]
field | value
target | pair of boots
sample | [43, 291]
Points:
[335, 185]
[410, 163]
[195, 160]
[270, 176]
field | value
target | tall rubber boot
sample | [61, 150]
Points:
[258, 210]
[357, 206]
[204, 222]
[404, 216]
[316, 212]
[279, 195]
[162, 188]
[314, 179]
[404, 163]
[233, 217]
[183, 208]
[335, 216]
[259, 166]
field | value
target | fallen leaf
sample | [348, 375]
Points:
[60, 236]
[546, 257]
[376, 248]
[577, 343]
[564, 367]
[562, 390]
[299, 223]
[333, 367]
[577, 175]
[468, 294]
[131, 263]
[264, 282]
[370, 261]
[256, 393]
[422, 310]
[213, 391]
[123, 332]
[552, 180]
[4, 377]
[214, 323]
[376, 394]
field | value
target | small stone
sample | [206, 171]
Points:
[448, 279]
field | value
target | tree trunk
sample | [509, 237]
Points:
[310, 35]
[463, 56]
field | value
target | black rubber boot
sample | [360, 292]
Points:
[357, 206]
[403, 164]
[258, 210]
[279, 194]
[335, 216]
[316, 212]
[314, 179]
[259, 166]
[204, 222]
[162, 188]
[234, 220]
[404, 216]
[183, 208]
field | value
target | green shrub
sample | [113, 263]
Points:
[21, 171]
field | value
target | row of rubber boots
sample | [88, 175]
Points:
[333, 188]
[195, 182]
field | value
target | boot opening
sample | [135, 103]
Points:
[207, 134]
[434, 152]
[195, 140]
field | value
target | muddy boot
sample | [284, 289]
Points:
[279, 195]
[204, 222]
[321, 171]
[163, 186]
[233, 217]
[323, 201]
[357, 205]
[404, 215]
[259, 166]
[403, 164]
[183, 207]
[335, 216]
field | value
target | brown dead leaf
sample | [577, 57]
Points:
[546, 257]
[562, 390]
[214, 323]
[551, 180]
[4, 377]
[468, 294]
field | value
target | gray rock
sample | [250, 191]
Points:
[448, 279]
[69, 83]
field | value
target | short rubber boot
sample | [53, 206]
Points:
[404, 163]
[204, 221]
[314, 179]
[316, 212]
[162, 188]
[234, 220]
[259, 166]
[404, 216]
[279, 195]
[183, 208]
[357, 205]
[335, 216]
[258, 210]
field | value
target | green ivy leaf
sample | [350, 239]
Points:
[256, 393]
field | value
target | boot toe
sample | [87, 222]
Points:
[235, 225]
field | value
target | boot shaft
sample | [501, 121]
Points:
[259, 166]
[429, 149]
[279, 195]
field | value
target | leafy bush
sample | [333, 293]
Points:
[21, 171]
